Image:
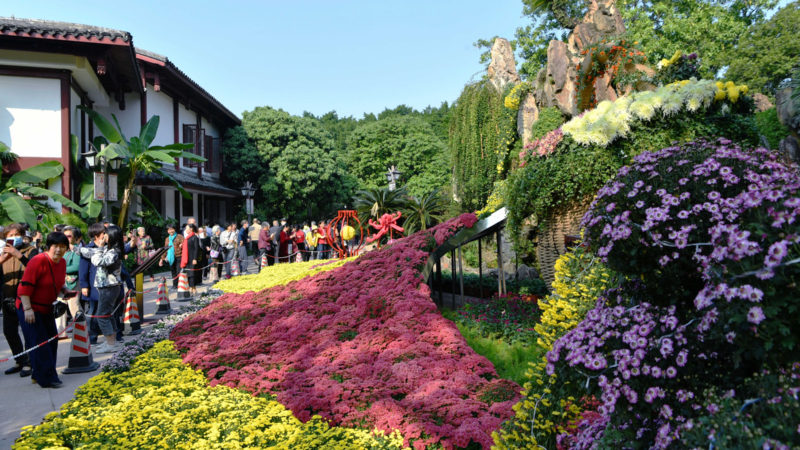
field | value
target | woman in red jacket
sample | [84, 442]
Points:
[41, 283]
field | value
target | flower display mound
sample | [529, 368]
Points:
[163, 403]
[707, 237]
[362, 345]
[278, 274]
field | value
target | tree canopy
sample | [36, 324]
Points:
[768, 52]
[404, 140]
[291, 159]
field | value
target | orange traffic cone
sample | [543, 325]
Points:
[235, 267]
[183, 287]
[131, 318]
[80, 356]
[163, 298]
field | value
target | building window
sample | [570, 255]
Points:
[212, 154]
[189, 133]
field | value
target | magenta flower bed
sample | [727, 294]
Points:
[362, 345]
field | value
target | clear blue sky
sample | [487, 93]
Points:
[302, 55]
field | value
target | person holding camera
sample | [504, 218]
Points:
[14, 259]
[107, 258]
[39, 288]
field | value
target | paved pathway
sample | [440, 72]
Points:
[24, 403]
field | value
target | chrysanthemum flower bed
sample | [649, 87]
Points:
[361, 346]
[708, 237]
[162, 403]
[277, 275]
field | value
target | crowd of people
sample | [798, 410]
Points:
[90, 277]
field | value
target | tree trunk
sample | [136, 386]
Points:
[126, 200]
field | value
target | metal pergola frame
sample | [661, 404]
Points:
[493, 224]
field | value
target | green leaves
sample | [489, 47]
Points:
[35, 175]
[103, 125]
[407, 142]
[17, 208]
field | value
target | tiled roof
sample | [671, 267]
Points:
[61, 30]
[169, 64]
[188, 179]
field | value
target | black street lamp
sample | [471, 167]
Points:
[102, 164]
[393, 176]
[248, 191]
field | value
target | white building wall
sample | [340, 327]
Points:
[30, 116]
[160, 104]
[129, 118]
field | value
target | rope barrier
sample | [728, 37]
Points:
[58, 335]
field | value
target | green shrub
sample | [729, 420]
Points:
[770, 127]
[550, 118]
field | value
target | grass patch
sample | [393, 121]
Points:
[509, 360]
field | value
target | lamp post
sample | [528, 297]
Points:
[392, 176]
[248, 191]
[101, 164]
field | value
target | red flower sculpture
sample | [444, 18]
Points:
[385, 224]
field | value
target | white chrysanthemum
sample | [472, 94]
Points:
[693, 104]
[603, 107]
[643, 107]
[601, 132]
[673, 103]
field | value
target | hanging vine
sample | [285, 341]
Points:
[483, 134]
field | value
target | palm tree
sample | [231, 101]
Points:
[138, 155]
[372, 203]
[25, 183]
[421, 213]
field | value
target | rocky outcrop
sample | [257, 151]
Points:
[788, 109]
[559, 87]
[527, 114]
[762, 102]
[503, 68]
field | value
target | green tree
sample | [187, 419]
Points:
[403, 140]
[293, 161]
[712, 28]
[420, 213]
[372, 203]
[768, 52]
[16, 190]
[138, 155]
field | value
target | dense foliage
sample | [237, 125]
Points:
[292, 162]
[482, 136]
[511, 317]
[711, 28]
[766, 54]
[708, 238]
[405, 141]
[770, 127]
[362, 345]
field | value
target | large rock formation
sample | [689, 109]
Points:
[527, 114]
[503, 68]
